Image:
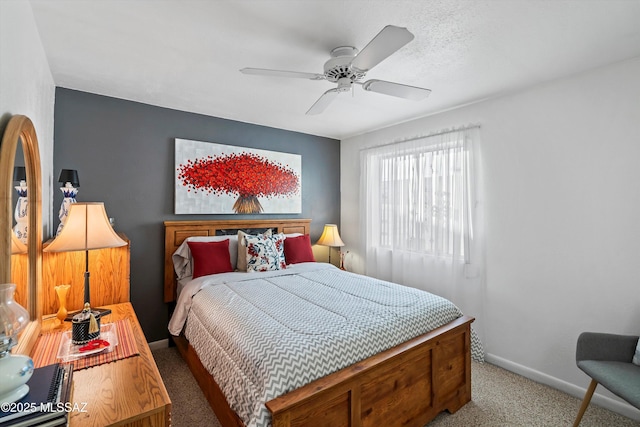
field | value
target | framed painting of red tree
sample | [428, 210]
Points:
[225, 179]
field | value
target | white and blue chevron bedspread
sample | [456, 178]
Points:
[264, 334]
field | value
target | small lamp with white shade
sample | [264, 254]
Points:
[330, 237]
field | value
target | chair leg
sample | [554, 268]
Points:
[585, 402]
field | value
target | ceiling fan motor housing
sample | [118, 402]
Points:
[339, 66]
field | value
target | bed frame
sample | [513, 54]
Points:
[407, 385]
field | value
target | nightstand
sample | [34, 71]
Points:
[127, 392]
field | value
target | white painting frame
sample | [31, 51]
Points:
[209, 178]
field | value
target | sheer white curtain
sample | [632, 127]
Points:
[422, 221]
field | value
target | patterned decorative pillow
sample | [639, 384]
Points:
[241, 264]
[636, 357]
[265, 253]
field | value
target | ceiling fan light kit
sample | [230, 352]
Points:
[347, 66]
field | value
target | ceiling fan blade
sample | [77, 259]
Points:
[389, 40]
[396, 89]
[280, 73]
[323, 102]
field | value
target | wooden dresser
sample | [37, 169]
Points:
[127, 392]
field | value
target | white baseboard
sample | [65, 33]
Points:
[157, 345]
[566, 387]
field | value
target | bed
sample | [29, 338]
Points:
[408, 383]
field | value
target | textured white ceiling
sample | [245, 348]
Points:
[185, 54]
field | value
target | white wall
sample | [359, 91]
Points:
[561, 165]
[26, 86]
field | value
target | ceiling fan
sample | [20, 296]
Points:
[348, 66]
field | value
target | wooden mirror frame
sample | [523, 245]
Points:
[20, 128]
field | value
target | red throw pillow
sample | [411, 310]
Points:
[298, 249]
[210, 257]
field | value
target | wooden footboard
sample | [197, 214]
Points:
[407, 385]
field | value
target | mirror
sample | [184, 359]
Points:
[20, 132]
[19, 202]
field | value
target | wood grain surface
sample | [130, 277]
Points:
[109, 276]
[127, 392]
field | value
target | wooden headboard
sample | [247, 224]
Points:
[175, 232]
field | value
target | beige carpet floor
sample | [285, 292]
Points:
[500, 398]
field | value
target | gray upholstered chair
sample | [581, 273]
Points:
[606, 358]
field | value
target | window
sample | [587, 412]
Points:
[417, 196]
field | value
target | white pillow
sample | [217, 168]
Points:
[636, 357]
[182, 260]
[241, 254]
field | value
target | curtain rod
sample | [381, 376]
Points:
[415, 138]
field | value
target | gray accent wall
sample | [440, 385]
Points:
[124, 154]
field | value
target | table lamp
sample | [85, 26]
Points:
[330, 237]
[71, 183]
[87, 228]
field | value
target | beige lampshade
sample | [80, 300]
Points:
[330, 236]
[87, 227]
[17, 247]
